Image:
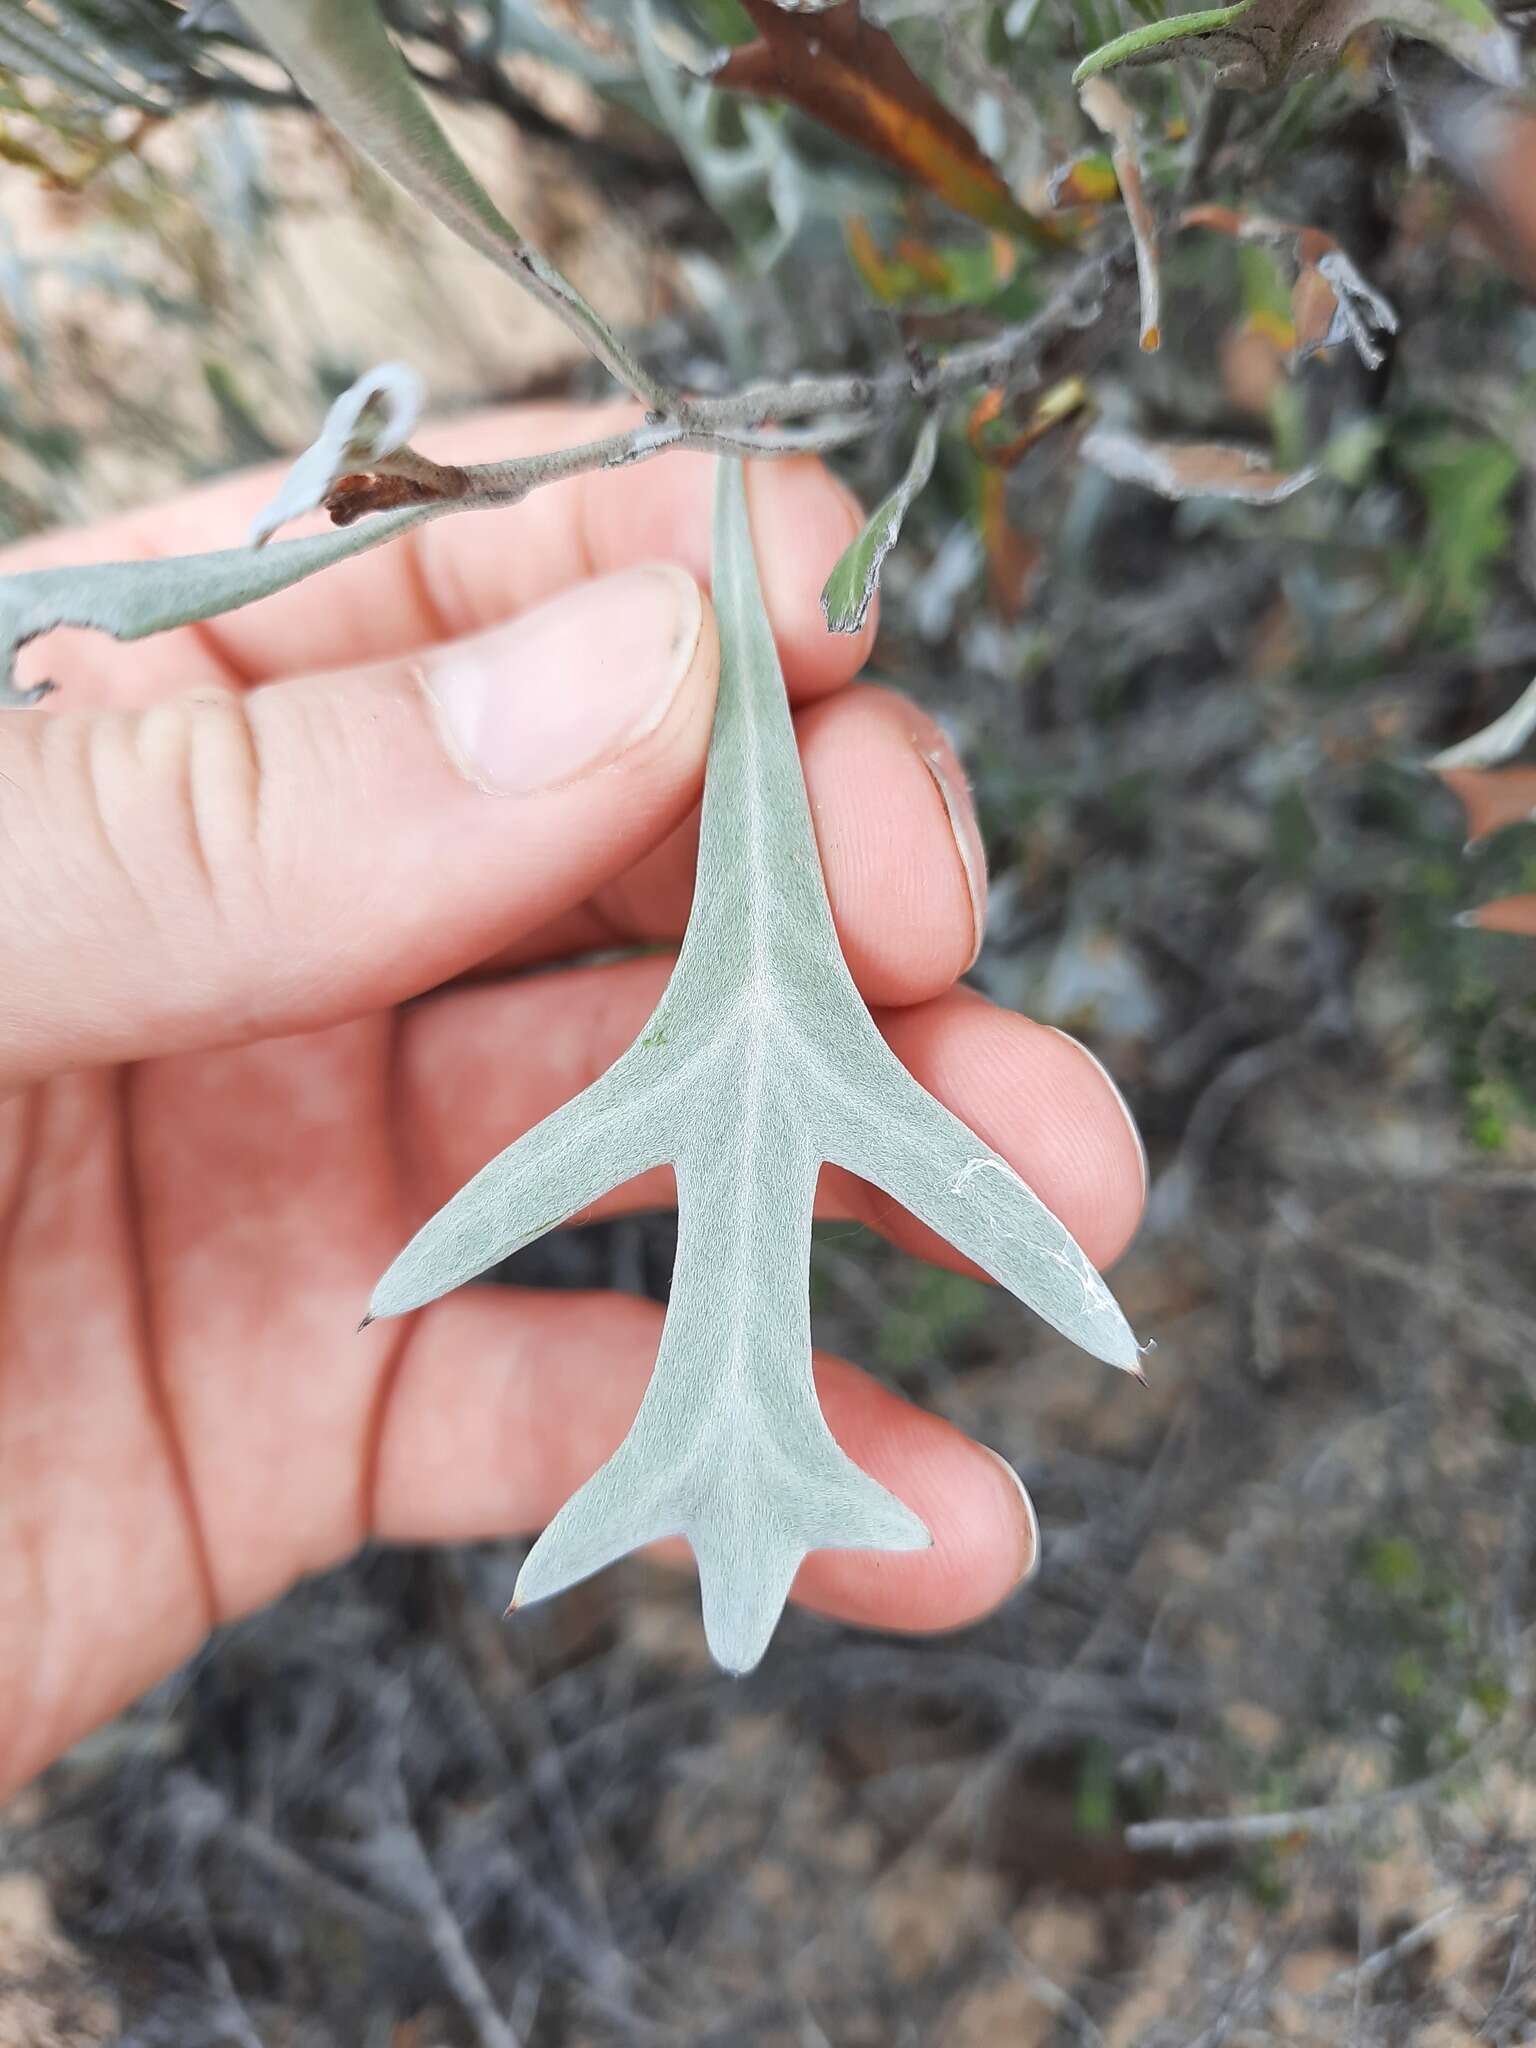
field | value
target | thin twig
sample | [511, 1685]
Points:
[825, 412]
[1409, 1944]
[1345, 1817]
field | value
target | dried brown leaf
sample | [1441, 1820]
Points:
[1331, 302]
[850, 75]
[1192, 469]
[1113, 115]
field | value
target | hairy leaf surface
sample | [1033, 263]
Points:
[759, 1063]
[130, 600]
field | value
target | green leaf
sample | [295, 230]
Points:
[1145, 42]
[1261, 43]
[850, 589]
[341, 56]
[1466, 480]
[759, 1063]
[130, 600]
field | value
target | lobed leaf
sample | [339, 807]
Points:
[759, 1063]
[850, 589]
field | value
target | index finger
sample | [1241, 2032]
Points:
[460, 574]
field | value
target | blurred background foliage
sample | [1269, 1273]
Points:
[1250, 1760]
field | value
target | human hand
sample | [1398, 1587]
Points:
[229, 859]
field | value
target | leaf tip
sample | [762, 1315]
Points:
[842, 613]
[23, 700]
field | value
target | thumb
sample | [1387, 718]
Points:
[225, 866]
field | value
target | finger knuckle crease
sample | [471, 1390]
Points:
[201, 761]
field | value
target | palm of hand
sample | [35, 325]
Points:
[187, 1422]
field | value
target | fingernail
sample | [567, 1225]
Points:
[569, 686]
[1124, 1107]
[1030, 1530]
[949, 779]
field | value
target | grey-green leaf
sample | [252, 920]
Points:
[132, 599]
[850, 589]
[759, 1063]
[341, 56]
[371, 419]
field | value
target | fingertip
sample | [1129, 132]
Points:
[1114, 1093]
[1030, 1546]
[681, 737]
[803, 519]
